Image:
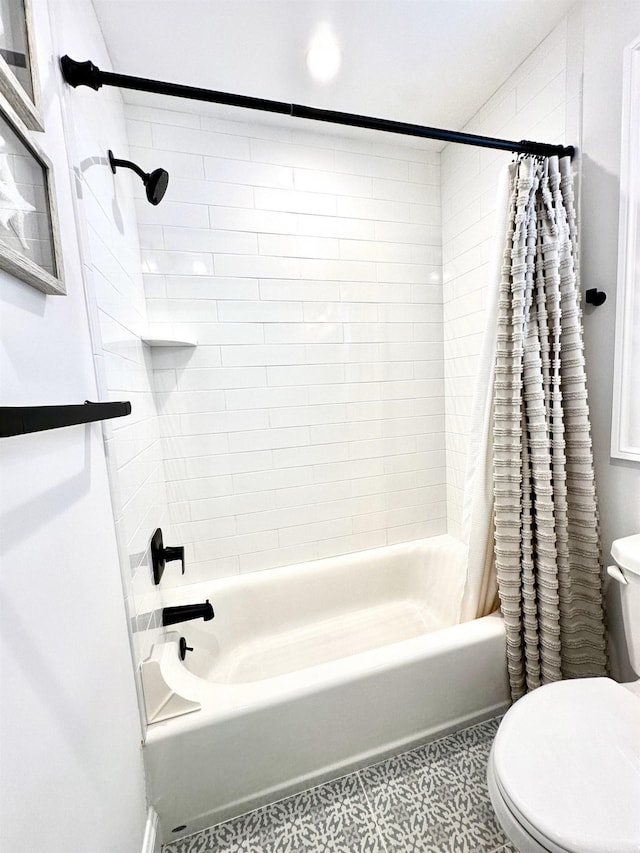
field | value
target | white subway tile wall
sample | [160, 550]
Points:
[309, 420]
[530, 105]
[118, 318]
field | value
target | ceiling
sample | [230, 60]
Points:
[431, 62]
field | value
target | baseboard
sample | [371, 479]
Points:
[151, 840]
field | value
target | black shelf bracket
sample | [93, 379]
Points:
[17, 420]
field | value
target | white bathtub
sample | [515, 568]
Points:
[308, 672]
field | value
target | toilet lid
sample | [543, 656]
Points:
[567, 760]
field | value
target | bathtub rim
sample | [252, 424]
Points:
[222, 702]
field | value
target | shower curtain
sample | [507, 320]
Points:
[547, 550]
[480, 594]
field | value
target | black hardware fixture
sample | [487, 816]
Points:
[184, 648]
[17, 420]
[155, 183]
[161, 555]
[173, 615]
[596, 297]
[87, 74]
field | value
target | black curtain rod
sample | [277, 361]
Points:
[87, 74]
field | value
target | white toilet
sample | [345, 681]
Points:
[564, 769]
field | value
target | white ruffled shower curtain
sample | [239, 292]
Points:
[480, 596]
[542, 516]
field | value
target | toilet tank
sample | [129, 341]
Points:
[626, 553]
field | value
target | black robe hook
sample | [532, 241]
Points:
[593, 296]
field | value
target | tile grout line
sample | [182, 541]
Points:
[372, 811]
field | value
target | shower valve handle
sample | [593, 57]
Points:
[174, 553]
[161, 555]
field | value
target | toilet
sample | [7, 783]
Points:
[564, 768]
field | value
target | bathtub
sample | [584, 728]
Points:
[308, 672]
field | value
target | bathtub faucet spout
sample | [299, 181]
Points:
[171, 615]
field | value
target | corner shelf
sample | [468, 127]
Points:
[169, 336]
[169, 342]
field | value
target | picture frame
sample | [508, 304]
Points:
[625, 425]
[19, 80]
[29, 231]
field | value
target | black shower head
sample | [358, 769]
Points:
[156, 185]
[155, 182]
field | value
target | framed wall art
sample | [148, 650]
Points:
[625, 426]
[18, 68]
[29, 237]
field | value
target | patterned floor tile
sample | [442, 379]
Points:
[336, 817]
[431, 800]
[435, 799]
[263, 829]
[333, 818]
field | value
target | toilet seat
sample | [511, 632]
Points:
[521, 834]
[566, 765]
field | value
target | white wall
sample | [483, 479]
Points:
[71, 772]
[531, 104]
[118, 315]
[609, 27]
[308, 421]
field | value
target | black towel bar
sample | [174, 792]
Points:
[16, 420]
